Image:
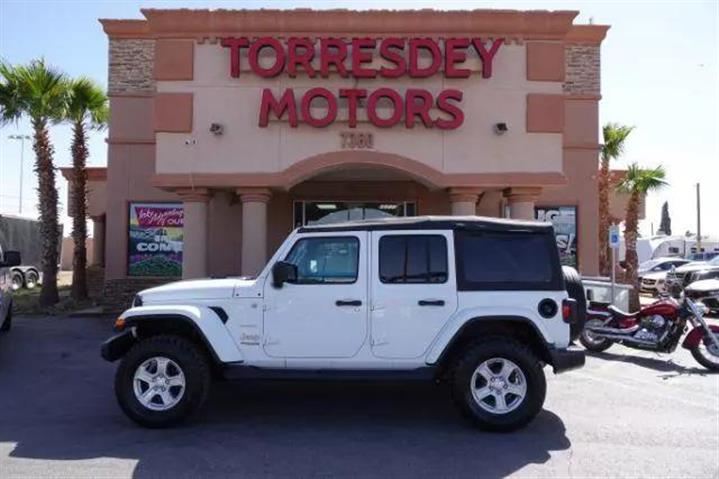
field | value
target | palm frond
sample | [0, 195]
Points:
[11, 106]
[643, 180]
[87, 102]
[615, 136]
[42, 90]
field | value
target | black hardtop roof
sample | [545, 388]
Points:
[478, 223]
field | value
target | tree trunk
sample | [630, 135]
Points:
[630, 240]
[603, 187]
[78, 212]
[49, 227]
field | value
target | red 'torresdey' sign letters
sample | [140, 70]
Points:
[297, 54]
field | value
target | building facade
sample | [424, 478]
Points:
[230, 128]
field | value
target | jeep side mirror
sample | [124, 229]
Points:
[283, 272]
[10, 258]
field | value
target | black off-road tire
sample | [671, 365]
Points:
[518, 353]
[575, 290]
[8, 321]
[194, 364]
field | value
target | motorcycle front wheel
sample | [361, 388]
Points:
[593, 341]
[707, 354]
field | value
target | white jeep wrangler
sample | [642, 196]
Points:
[480, 303]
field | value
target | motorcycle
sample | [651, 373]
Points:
[655, 327]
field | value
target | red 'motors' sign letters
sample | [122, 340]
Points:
[401, 58]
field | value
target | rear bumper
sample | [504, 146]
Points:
[116, 347]
[566, 359]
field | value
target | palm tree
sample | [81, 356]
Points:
[86, 109]
[637, 184]
[614, 137]
[39, 92]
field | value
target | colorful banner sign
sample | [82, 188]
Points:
[564, 220]
[155, 239]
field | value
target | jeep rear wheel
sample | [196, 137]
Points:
[162, 380]
[499, 384]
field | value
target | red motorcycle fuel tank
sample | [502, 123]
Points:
[666, 308]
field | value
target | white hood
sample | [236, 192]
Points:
[197, 289]
[705, 285]
[656, 276]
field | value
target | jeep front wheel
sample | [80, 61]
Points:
[162, 380]
[499, 384]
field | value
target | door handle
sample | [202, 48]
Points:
[348, 302]
[431, 302]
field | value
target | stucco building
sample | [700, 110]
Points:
[230, 128]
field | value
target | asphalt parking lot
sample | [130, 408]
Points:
[626, 413]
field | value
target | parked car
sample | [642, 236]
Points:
[653, 273]
[679, 278]
[482, 304]
[703, 256]
[8, 259]
[658, 265]
[706, 291]
[708, 272]
[653, 283]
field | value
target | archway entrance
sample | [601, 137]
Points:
[360, 192]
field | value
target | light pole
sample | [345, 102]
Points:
[699, 219]
[22, 139]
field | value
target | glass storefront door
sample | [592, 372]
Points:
[326, 212]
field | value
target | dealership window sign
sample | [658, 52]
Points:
[155, 239]
[401, 58]
[564, 220]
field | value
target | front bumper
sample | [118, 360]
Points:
[567, 359]
[116, 347]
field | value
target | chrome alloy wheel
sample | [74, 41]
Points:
[498, 386]
[159, 383]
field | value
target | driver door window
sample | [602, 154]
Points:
[325, 260]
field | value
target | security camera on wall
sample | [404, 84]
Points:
[216, 129]
[501, 128]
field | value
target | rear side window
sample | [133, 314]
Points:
[507, 261]
[412, 259]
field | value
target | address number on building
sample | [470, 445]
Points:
[356, 140]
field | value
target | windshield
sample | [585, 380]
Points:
[714, 261]
[650, 264]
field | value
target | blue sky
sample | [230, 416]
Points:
[659, 73]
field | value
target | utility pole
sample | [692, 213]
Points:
[699, 219]
[22, 139]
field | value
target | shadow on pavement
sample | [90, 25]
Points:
[657, 364]
[58, 404]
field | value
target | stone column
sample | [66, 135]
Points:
[464, 201]
[254, 229]
[521, 202]
[98, 238]
[194, 248]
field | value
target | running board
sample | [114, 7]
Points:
[252, 372]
